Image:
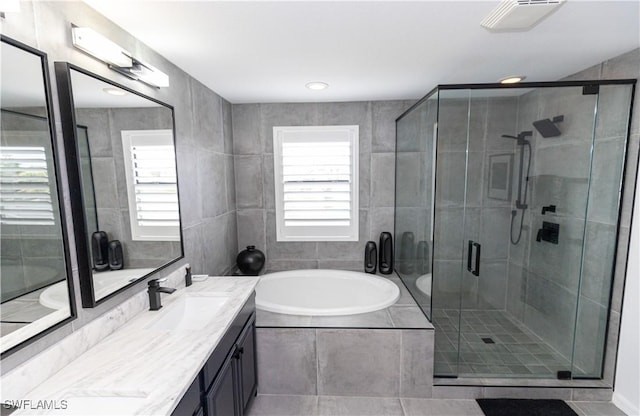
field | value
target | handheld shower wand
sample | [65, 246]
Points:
[521, 200]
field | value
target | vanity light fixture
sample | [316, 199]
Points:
[513, 79]
[96, 45]
[118, 59]
[317, 85]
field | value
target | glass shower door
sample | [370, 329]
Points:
[527, 186]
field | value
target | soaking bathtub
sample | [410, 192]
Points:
[323, 292]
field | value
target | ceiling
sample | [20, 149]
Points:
[267, 51]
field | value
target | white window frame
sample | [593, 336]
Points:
[148, 137]
[301, 134]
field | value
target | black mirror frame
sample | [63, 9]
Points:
[63, 219]
[68, 119]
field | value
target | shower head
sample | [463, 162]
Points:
[547, 127]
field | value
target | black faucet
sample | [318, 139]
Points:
[154, 293]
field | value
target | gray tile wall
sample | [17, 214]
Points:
[203, 142]
[255, 195]
[345, 362]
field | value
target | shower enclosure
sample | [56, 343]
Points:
[506, 222]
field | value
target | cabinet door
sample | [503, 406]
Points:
[247, 356]
[222, 397]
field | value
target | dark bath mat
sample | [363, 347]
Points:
[525, 407]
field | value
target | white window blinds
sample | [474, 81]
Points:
[25, 191]
[151, 184]
[316, 172]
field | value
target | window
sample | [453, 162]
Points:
[152, 189]
[316, 178]
[25, 196]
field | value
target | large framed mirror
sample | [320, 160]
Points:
[121, 165]
[36, 289]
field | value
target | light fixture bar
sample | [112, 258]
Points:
[118, 59]
[93, 43]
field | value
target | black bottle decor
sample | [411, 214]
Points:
[405, 257]
[370, 257]
[422, 257]
[250, 261]
[385, 264]
[100, 251]
[116, 259]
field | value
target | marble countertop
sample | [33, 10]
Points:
[138, 370]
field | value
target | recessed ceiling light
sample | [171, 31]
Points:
[512, 79]
[114, 91]
[317, 85]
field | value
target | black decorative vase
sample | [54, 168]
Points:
[370, 257]
[100, 251]
[250, 261]
[385, 263]
[116, 260]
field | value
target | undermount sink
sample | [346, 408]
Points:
[104, 403]
[190, 312]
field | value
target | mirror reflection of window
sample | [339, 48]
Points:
[26, 195]
[152, 188]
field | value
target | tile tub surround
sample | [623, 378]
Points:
[388, 352]
[133, 359]
[345, 362]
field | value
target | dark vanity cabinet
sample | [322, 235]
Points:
[228, 380]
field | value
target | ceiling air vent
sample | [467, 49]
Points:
[519, 14]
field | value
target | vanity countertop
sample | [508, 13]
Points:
[139, 370]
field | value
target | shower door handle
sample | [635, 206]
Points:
[474, 270]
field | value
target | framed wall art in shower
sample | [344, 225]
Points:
[500, 168]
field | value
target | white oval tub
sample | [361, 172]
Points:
[324, 292]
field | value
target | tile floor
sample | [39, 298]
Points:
[281, 405]
[515, 350]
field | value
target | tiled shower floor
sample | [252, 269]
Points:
[515, 350]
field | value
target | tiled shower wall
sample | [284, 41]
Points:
[546, 279]
[547, 297]
[203, 143]
[253, 153]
